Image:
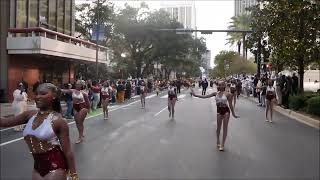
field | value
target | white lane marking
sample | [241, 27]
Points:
[7, 128]
[151, 96]
[161, 111]
[181, 96]
[111, 107]
[73, 122]
[165, 96]
[9, 142]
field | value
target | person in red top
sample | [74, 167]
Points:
[106, 97]
[96, 88]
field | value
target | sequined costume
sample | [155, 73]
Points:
[44, 145]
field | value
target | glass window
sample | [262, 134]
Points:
[53, 15]
[68, 16]
[33, 13]
[44, 13]
[21, 11]
[61, 16]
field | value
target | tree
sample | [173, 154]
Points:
[291, 29]
[241, 22]
[229, 63]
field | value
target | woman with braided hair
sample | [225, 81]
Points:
[47, 136]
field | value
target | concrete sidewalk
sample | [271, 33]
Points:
[303, 118]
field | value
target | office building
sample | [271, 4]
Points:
[37, 44]
[241, 5]
[182, 11]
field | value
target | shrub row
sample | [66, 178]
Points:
[309, 102]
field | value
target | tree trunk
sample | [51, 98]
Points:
[301, 74]
[239, 47]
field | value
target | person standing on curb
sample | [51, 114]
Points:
[68, 98]
[19, 104]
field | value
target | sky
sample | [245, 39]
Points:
[210, 14]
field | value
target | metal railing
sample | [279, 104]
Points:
[40, 31]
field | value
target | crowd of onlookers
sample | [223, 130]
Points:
[121, 91]
[257, 85]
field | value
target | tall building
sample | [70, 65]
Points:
[206, 60]
[37, 44]
[182, 11]
[241, 5]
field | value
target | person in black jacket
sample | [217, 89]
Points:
[178, 85]
[128, 90]
[204, 86]
[295, 82]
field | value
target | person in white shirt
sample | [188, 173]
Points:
[19, 104]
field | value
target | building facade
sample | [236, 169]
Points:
[37, 44]
[206, 60]
[241, 5]
[182, 11]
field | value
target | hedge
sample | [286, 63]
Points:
[313, 106]
[297, 102]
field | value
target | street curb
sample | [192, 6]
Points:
[293, 115]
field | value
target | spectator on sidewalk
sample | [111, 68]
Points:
[128, 90]
[295, 83]
[19, 104]
[178, 84]
[279, 89]
[95, 88]
[263, 92]
[120, 92]
[258, 89]
[285, 92]
[68, 98]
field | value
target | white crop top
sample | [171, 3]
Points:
[78, 97]
[221, 100]
[270, 89]
[105, 90]
[44, 131]
[171, 90]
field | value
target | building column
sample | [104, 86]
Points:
[4, 25]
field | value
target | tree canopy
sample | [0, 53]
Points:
[290, 30]
[138, 45]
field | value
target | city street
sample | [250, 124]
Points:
[145, 144]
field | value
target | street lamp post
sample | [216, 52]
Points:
[97, 39]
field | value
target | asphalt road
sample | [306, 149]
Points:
[145, 144]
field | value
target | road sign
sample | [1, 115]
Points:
[101, 32]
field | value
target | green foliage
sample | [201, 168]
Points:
[229, 62]
[297, 102]
[314, 105]
[241, 22]
[134, 32]
[301, 102]
[290, 30]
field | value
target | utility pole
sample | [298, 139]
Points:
[97, 39]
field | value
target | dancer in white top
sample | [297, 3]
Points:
[172, 98]
[19, 104]
[106, 92]
[223, 99]
[81, 106]
[47, 136]
[143, 94]
[271, 95]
